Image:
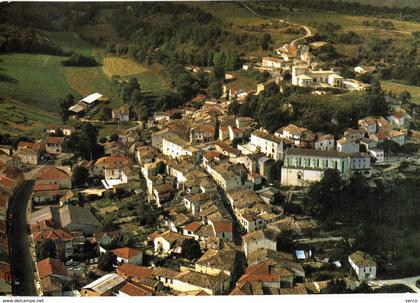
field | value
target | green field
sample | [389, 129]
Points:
[17, 119]
[37, 80]
[398, 88]
[70, 42]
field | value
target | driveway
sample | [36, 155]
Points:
[21, 261]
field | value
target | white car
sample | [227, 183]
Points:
[69, 262]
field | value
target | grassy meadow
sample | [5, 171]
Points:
[17, 118]
[399, 87]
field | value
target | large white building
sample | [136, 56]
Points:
[268, 144]
[303, 76]
[175, 147]
[303, 166]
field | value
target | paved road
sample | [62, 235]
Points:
[308, 32]
[20, 255]
[409, 282]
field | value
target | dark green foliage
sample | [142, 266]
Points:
[336, 286]
[80, 176]
[113, 137]
[84, 142]
[215, 89]
[146, 214]
[65, 103]
[108, 222]
[16, 39]
[390, 205]
[80, 60]
[266, 41]
[47, 249]
[107, 261]
[105, 114]
[381, 24]
[191, 249]
[176, 115]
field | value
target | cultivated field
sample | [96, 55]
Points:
[122, 67]
[17, 118]
[151, 79]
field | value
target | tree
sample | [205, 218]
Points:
[215, 89]
[84, 142]
[336, 286]
[105, 114]
[218, 73]
[47, 249]
[405, 96]
[80, 60]
[275, 172]
[176, 115]
[65, 103]
[266, 41]
[324, 196]
[190, 249]
[80, 176]
[114, 137]
[107, 261]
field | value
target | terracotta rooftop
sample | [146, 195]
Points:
[193, 226]
[224, 226]
[52, 173]
[134, 271]
[50, 266]
[55, 140]
[126, 252]
[40, 187]
[134, 290]
[51, 234]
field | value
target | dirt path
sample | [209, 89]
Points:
[307, 30]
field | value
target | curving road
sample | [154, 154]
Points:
[307, 29]
[409, 282]
[21, 262]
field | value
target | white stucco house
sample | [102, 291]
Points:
[363, 265]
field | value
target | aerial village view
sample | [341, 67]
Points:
[209, 148]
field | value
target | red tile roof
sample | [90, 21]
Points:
[193, 226]
[259, 269]
[136, 271]
[4, 199]
[133, 290]
[55, 140]
[260, 278]
[226, 226]
[26, 144]
[51, 234]
[6, 182]
[126, 252]
[154, 235]
[39, 187]
[50, 266]
[52, 173]
[211, 154]
[112, 160]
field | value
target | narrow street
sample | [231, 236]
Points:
[20, 255]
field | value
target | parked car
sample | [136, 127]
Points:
[69, 262]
